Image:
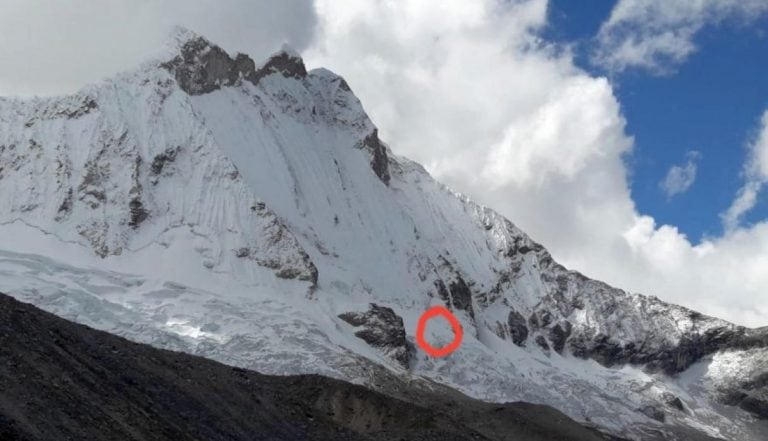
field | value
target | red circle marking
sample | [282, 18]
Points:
[458, 332]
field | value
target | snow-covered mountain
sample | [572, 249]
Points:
[251, 214]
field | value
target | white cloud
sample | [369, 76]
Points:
[756, 174]
[658, 34]
[52, 47]
[467, 88]
[680, 178]
[581, 110]
[498, 114]
[757, 168]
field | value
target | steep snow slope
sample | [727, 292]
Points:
[251, 214]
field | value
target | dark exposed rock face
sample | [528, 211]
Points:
[672, 401]
[295, 273]
[542, 342]
[306, 271]
[91, 189]
[442, 291]
[66, 205]
[756, 405]
[558, 334]
[159, 162]
[458, 295]
[382, 329]
[522, 245]
[283, 63]
[461, 295]
[380, 161]
[452, 288]
[299, 267]
[653, 412]
[540, 319]
[202, 67]
[87, 106]
[600, 348]
[73, 108]
[138, 213]
[545, 317]
[517, 329]
[533, 320]
[751, 395]
[668, 359]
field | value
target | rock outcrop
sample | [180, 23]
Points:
[202, 67]
[381, 328]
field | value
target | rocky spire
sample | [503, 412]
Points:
[201, 67]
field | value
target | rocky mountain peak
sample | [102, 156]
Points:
[201, 67]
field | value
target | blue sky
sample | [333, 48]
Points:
[711, 103]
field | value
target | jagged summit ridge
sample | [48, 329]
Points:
[202, 67]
